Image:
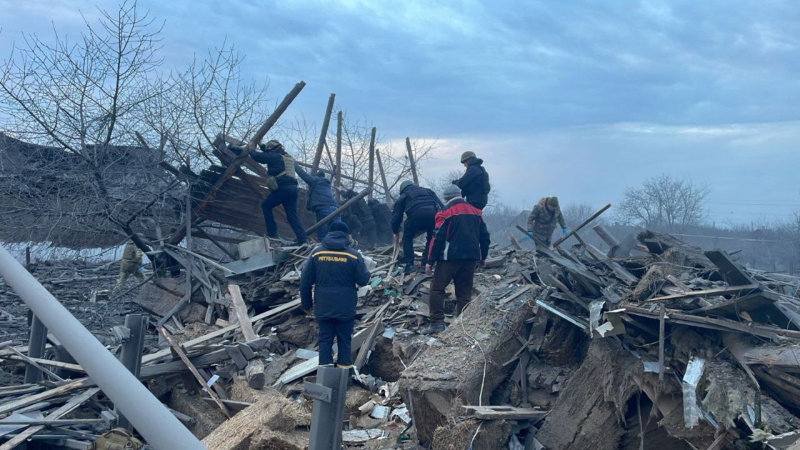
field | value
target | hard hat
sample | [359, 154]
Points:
[467, 155]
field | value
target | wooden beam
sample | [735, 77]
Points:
[371, 178]
[731, 272]
[36, 398]
[608, 238]
[338, 211]
[728, 290]
[621, 272]
[366, 348]
[255, 367]
[323, 135]
[182, 355]
[412, 162]
[338, 157]
[389, 200]
[583, 224]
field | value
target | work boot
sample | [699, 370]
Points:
[434, 328]
[409, 269]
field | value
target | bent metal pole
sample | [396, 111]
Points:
[152, 419]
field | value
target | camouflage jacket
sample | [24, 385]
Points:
[542, 222]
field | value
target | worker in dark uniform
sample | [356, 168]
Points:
[366, 234]
[281, 166]
[474, 184]
[419, 205]
[334, 269]
[319, 197]
[383, 221]
[461, 243]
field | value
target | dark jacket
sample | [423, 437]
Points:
[276, 164]
[412, 199]
[381, 213]
[461, 234]
[319, 193]
[333, 269]
[475, 182]
[362, 212]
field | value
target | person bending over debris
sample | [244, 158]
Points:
[419, 205]
[474, 184]
[334, 269]
[131, 264]
[366, 234]
[319, 198]
[542, 221]
[383, 221]
[461, 243]
[281, 166]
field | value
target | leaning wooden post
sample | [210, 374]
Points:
[332, 215]
[323, 134]
[411, 161]
[338, 156]
[189, 261]
[389, 200]
[371, 179]
[585, 222]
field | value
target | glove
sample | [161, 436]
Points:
[564, 231]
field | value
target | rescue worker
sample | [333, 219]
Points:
[334, 269]
[461, 243]
[319, 198]
[542, 221]
[131, 264]
[419, 205]
[281, 166]
[366, 233]
[383, 220]
[474, 184]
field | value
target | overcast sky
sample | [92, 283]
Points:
[571, 98]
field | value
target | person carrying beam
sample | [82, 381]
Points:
[333, 270]
[281, 166]
[319, 198]
[419, 205]
[542, 221]
[461, 243]
[474, 184]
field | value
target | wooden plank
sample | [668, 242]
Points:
[323, 134]
[412, 162]
[36, 398]
[787, 357]
[514, 242]
[298, 371]
[371, 173]
[366, 348]
[731, 272]
[608, 238]
[505, 413]
[241, 313]
[389, 200]
[622, 273]
[221, 332]
[182, 355]
[583, 224]
[736, 305]
[728, 290]
[570, 266]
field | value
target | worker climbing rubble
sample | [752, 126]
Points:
[365, 234]
[383, 221]
[283, 190]
[319, 198]
[474, 184]
[542, 221]
[131, 264]
[333, 270]
[419, 205]
[460, 244]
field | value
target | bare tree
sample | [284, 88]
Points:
[664, 202]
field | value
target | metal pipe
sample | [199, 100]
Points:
[151, 418]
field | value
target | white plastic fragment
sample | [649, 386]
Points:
[401, 414]
[595, 309]
[694, 371]
[650, 366]
[355, 436]
[380, 412]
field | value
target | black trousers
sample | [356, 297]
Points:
[342, 330]
[462, 274]
[420, 221]
[367, 235]
[285, 196]
[478, 204]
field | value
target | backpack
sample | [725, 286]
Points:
[487, 187]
